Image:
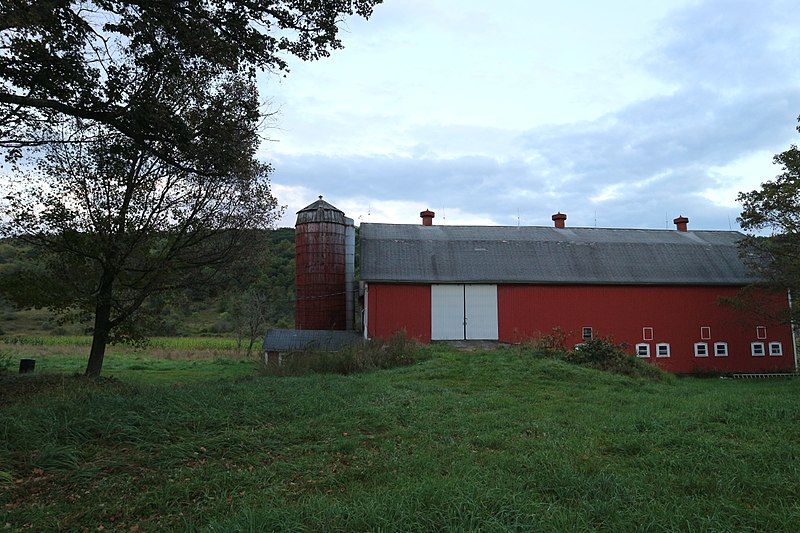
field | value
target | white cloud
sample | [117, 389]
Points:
[628, 113]
[743, 174]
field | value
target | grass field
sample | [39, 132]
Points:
[491, 440]
[163, 360]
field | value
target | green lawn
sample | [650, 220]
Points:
[461, 440]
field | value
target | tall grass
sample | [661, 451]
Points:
[463, 441]
[6, 361]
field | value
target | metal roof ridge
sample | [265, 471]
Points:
[660, 230]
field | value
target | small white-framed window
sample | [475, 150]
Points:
[579, 346]
[586, 334]
[761, 332]
[757, 349]
[662, 349]
[720, 349]
[705, 333]
[643, 350]
[647, 334]
[701, 349]
[775, 348]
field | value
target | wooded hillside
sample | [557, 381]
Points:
[222, 310]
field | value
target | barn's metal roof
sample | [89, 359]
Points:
[533, 254]
[284, 340]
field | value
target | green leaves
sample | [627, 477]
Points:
[125, 63]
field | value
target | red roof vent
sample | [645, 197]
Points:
[559, 219]
[681, 223]
[427, 217]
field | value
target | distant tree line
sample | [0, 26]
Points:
[255, 295]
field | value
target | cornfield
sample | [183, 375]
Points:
[169, 343]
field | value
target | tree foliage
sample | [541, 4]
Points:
[116, 225]
[772, 214]
[106, 60]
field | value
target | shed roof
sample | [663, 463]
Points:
[284, 340]
[535, 254]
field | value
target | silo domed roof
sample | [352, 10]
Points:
[320, 211]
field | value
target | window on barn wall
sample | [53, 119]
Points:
[705, 333]
[662, 349]
[775, 348]
[700, 349]
[761, 332]
[587, 333]
[721, 349]
[643, 350]
[647, 334]
[757, 349]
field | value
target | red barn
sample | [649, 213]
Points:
[657, 291]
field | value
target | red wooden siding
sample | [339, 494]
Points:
[676, 315]
[393, 308]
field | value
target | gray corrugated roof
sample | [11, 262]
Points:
[533, 254]
[283, 340]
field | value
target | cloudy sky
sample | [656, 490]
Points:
[619, 113]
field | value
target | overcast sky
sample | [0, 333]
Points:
[618, 113]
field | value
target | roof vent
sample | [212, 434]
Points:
[427, 217]
[559, 219]
[681, 223]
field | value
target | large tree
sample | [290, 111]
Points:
[116, 225]
[132, 128]
[772, 214]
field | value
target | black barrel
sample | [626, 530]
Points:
[26, 365]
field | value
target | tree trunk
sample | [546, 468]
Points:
[250, 346]
[102, 327]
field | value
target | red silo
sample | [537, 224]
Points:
[320, 301]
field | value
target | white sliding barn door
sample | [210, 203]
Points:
[447, 312]
[461, 312]
[481, 312]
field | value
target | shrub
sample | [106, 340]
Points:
[361, 357]
[221, 326]
[48, 325]
[555, 341]
[603, 354]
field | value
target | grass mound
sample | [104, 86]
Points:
[600, 354]
[369, 355]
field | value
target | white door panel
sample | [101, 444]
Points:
[447, 312]
[481, 312]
